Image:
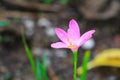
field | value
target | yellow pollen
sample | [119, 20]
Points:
[70, 44]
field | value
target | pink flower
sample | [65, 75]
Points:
[71, 39]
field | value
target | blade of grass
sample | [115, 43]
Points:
[44, 76]
[44, 58]
[38, 70]
[84, 65]
[29, 54]
[42, 68]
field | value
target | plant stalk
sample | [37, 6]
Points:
[75, 58]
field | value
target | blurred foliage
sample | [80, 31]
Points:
[51, 1]
[64, 1]
[48, 1]
[8, 76]
[4, 23]
[4, 39]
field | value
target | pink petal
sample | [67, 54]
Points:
[62, 35]
[85, 37]
[73, 31]
[59, 45]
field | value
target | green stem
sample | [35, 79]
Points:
[84, 65]
[75, 64]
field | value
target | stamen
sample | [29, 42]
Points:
[70, 44]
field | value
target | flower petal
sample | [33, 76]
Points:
[59, 45]
[73, 31]
[62, 35]
[85, 37]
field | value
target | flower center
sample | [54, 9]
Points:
[70, 44]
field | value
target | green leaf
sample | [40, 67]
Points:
[29, 54]
[38, 70]
[42, 68]
[44, 58]
[41, 71]
[44, 73]
[84, 65]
